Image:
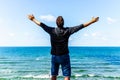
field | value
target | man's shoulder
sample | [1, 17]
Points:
[65, 28]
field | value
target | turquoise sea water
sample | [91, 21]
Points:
[33, 63]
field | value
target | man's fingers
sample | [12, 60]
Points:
[29, 16]
[97, 18]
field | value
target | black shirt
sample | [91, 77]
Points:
[59, 38]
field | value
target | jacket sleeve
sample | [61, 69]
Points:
[75, 28]
[46, 28]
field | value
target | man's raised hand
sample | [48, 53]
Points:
[31, 16]
[95, 19]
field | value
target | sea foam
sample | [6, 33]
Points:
[36, 76]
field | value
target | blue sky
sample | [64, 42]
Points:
[17, 30]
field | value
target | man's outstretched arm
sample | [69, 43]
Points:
[45, 27]
[93, 20]
[32, 18]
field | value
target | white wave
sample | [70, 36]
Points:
[78, 75]
[81, 75]
[36, 76]
[27, 76]
[38, 58]
[6, 71]
[111, 75]
[91, 75]
[42, 76]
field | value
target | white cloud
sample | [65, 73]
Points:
[1, 24]
[110, 20]
[70, 39]
[11, 34]
[99, 36]
[49, 18]
[1, 21]
[95, 36]
[86, 35]
[104, 38]
[26, 33]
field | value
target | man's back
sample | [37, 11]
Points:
[59, 38]
[59, 41]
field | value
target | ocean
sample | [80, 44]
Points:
[34, 63]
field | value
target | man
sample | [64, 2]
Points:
[59, 44]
